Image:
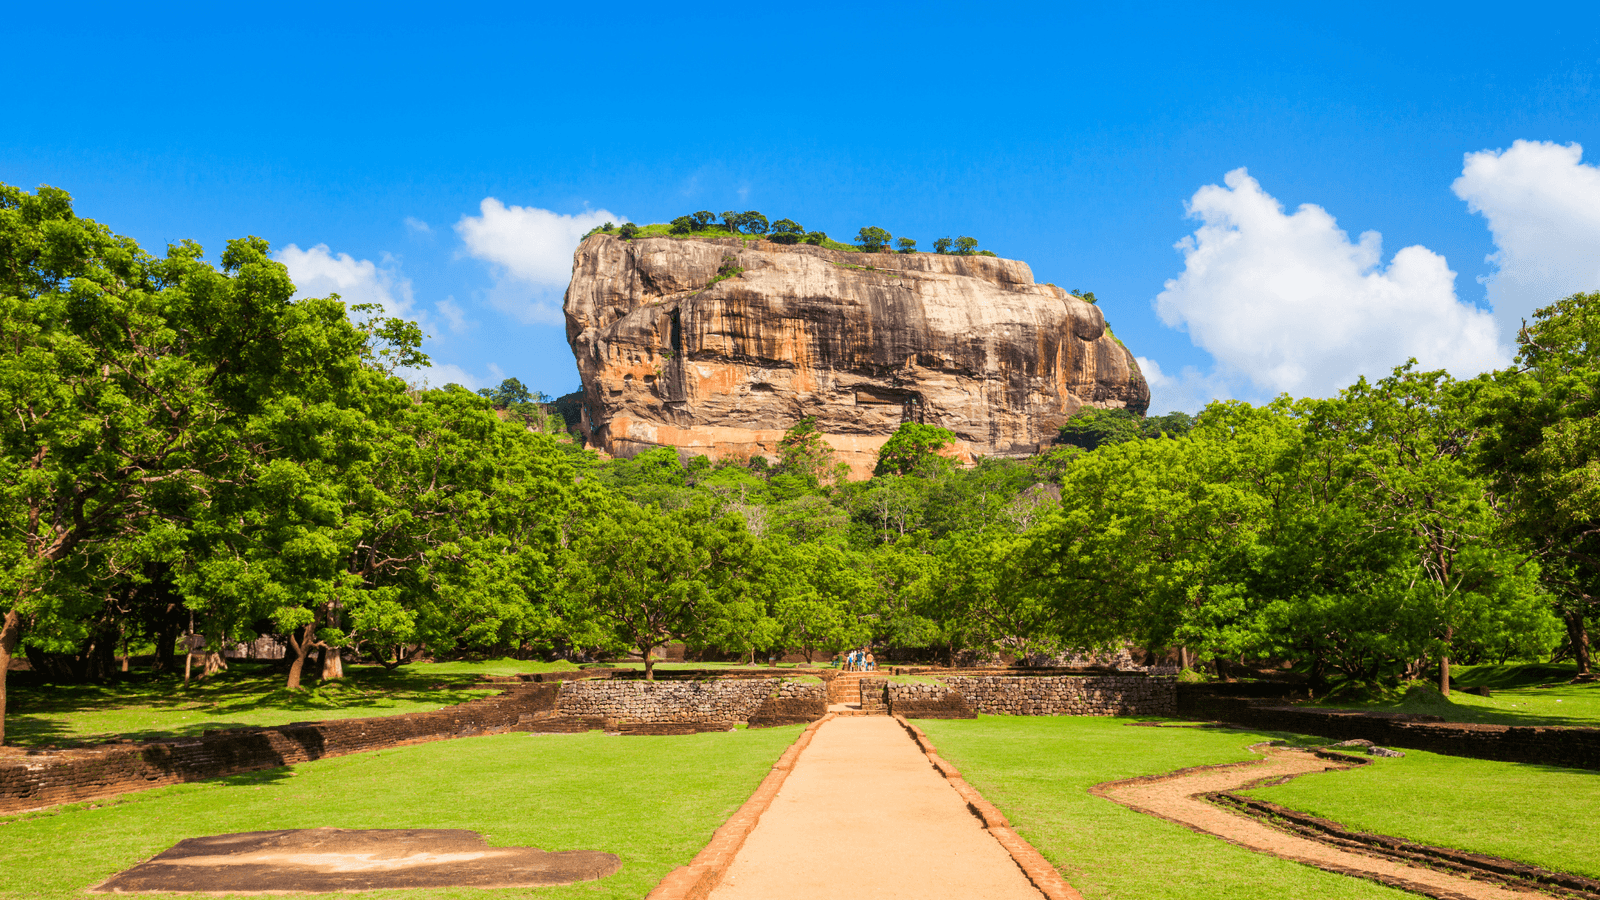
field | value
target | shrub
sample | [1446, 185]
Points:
[817, 238]
[786, 231]
[907, 245]
[871, 239]
[628, 231]
[753, 222]
[683, 225]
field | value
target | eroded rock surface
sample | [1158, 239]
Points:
[671, 355]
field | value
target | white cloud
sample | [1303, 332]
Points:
[1543, 208]
[318, 272]
[438, 375]
[418, 227]
[1288, 303]
[531, 250]
[1188, 391]
[454, 316]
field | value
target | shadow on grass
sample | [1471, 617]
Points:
[144, 706]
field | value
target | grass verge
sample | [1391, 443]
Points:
[652, 800]
[1530, 813]
[1520, 695]
[144, 706]
[1038, 770]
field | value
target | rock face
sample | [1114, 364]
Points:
[674, 354]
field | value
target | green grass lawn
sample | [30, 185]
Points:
[1521, 695]
[247, 694]
[1535, 814]
[652, 800]
[1038, 770]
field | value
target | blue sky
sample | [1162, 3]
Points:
[368, 140]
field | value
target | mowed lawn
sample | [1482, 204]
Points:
[1535, 814]
[652, 800]
[1519, 695]
[1038, 770]
[248, 694]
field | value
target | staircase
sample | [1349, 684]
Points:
[846, 696]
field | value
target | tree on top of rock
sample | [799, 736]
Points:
[786, 231]
[872, 239]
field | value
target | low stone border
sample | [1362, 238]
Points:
[701, 876]
[1369, 847]
[34, 779]
[1033, 865]
[1552, 745]
[1476, 866]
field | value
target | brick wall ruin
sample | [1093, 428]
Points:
[1068, 695]
[928, 701]
[696, 706]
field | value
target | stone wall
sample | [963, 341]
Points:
[44, 778]
[1091, 695]
[1554, 746]
[874, 696]
[928, 701]
[699, 705]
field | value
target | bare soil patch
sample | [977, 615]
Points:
[336, 859]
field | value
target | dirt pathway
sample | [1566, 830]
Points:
[863, 814]
[1174, 797]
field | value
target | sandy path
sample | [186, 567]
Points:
[1174, 798]
[863, 814]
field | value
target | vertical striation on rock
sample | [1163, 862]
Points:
[674, 355]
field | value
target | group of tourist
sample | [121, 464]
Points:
[860, 660]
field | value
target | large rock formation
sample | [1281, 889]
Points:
[716, 346]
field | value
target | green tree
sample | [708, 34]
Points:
[804, 451]
[1085, 296]
[816, 238]
[966, 246]
[753, 222]
[942, 245]
[786, 231]
[1091, 427]
[640, 578]
[906, 245]
[684, 225]
[1541, 450]
[1410, 436]
[628, 231]
[703, 218]
[913, 448]
[136, 391]
[872, 239]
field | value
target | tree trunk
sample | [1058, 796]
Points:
[332, 664]
[166, 636]
[1183, 657]
[649, 664]
[302, 649]
[214, 664]
[1444, 662]
[188, 649]
[124, 627]
[1578, 637]
[10, 634]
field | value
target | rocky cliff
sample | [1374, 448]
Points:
[716, 346]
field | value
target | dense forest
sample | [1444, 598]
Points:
[186, 450]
